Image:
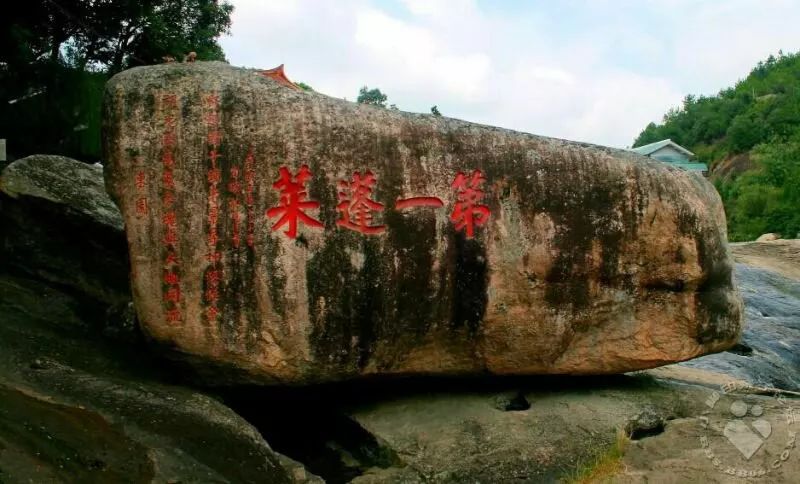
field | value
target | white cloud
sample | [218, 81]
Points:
[439, 8]
[543, 73]
[422, 59]
[594, 71]
[622, 104]
[384, 35]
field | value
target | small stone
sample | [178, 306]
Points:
[649, 421]
[511, 402]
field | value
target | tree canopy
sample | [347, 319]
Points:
[371, 96]
[756, 120]
[761, 107]
[55, 56]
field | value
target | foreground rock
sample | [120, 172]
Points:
[74, 408]
[295, 238]
[572, 432]
[59, 225]
[631, 428]
[734, 437]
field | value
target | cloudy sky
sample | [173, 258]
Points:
[591, 70]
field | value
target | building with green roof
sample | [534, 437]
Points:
[672, 153]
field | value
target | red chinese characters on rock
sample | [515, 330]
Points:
[416, 202]
[171, 282]
[355, 205]
[211, 293]
[140, 183]
[214, 177]
[468, 212]
[249, 195]
[141, 207]
[293, 202]
[170, 223]
[234, 189]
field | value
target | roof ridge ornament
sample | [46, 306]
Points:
[277, 74]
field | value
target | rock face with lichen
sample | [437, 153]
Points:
[282, 236]
[58, 224]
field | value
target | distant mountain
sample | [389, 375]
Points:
[749, 135]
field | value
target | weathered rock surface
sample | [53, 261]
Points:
[766, 358]
[780, 256]
[734, 437]
[76, 408]
[451, 430]
[460, 437]
[768, 237]
[513, 429]
[59, 225]
[767, 355]
[546, 256]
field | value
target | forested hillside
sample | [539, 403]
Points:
[749, 135]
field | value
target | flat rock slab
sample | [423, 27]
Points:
[288, 237]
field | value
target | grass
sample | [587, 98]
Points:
[604, 465]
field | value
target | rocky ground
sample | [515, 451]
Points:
[84, 399]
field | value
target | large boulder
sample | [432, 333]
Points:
[288, 237]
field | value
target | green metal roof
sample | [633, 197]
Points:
[653, 147]
[689, 166]
[678, 161]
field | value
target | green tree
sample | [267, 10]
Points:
[758, 119]
[651, 134]
[371, 96]
[435, 111]
[766, 199]
[745, 132]
[55, 56]
[174, 28]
